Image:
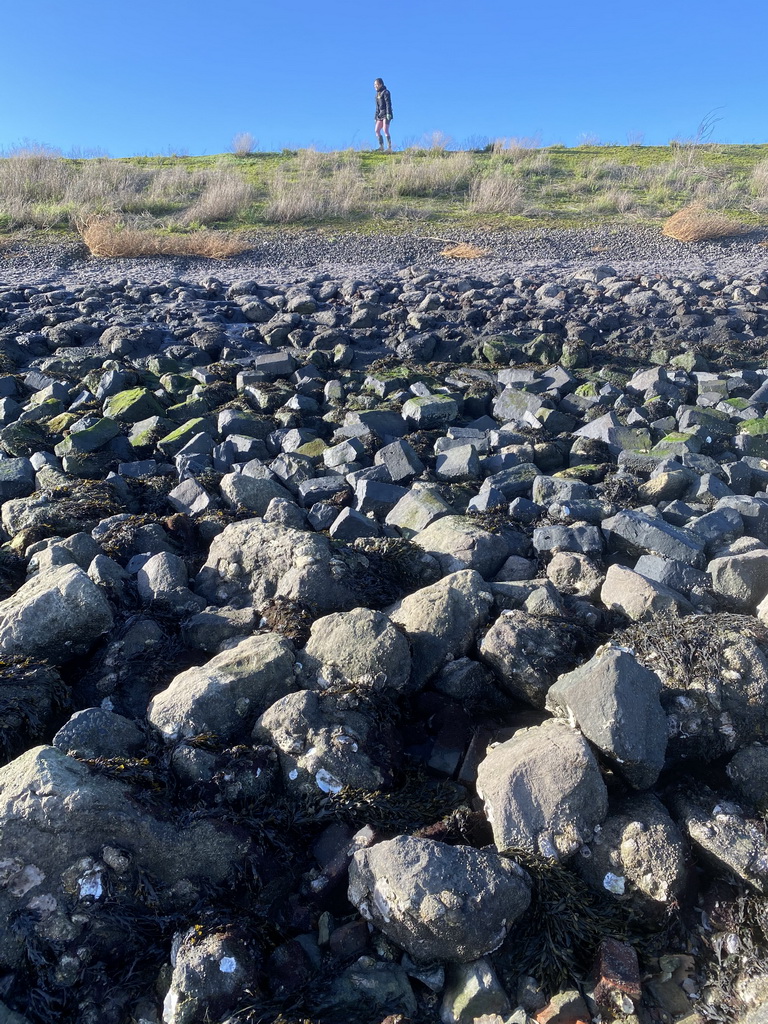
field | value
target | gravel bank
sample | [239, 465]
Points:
[288, 257]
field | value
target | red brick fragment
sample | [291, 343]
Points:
[616, 974]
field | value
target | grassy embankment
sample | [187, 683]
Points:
[431, 191]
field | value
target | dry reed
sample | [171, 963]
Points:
[695, 223]
[464, 251]
[106, 237]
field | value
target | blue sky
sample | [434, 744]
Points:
[161, 76]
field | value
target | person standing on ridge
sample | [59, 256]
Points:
[383, 113]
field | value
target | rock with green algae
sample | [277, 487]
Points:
[473, 990]
[173, 442]
[755, 428]
[22, 438]
[91, 439]
[145, 433]
[132, 406]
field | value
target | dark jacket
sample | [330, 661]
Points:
[383, 105]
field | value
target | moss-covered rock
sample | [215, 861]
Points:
[23, 438]
[91, 439]
[132, 406]
[312, 449]
[755, 427]
[194, 405]
[146, 433]
[172, 443]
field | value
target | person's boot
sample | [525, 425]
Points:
[389, 145]
[381, 143]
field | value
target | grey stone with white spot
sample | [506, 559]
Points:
[542, 790]
[614, 701]
[226, 695]
[438, 902]
[326, 742]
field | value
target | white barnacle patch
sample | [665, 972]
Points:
[170, 1003]
[381, 900]
[19, 877]
[327, 783]
[546, 847]
[293, 774]
[90, 884]
[614, 883]
[343, 740]
[227, 965]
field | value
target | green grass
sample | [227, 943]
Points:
[431, 191]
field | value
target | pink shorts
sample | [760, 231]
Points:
[382, 126]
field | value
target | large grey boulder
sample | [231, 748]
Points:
[361, 647]
[418, 507]
[65, 830]
[252, 561]
[574, 573]
[97, 732]
[438, 902]
[542, 790]
[251, 492]
[527, 652]
[457, 542]
[741, 581]
[615, 703]
[748, 772]
[639, 598]
[368, 986]
[638, 856]
[56, 616]
[442, 620]
[17, 479]
[227, 694]
[162, 584]
[328, 741]
[723, 837]
[430, 411]
[636, 533]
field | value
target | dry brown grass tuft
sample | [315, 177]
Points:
[498, 192]
[697, 224]
[425, 175]
[464, 251]
[226, 196]
[105, 237]
[314, 195]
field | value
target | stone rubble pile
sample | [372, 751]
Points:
[342, 623]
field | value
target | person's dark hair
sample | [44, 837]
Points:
[379, 81]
